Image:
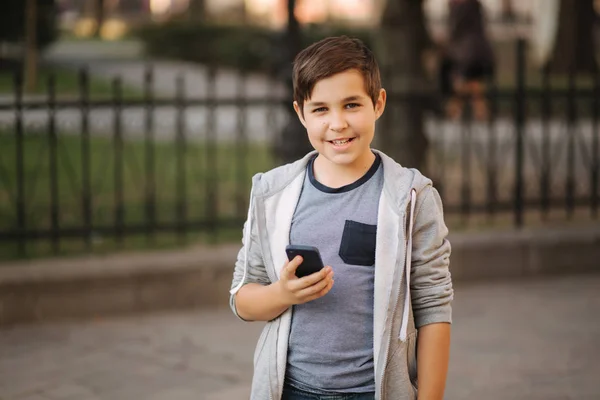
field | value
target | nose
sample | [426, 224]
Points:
[337, 123]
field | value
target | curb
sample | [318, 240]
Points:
[96, 287]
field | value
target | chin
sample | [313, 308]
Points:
[341, 159]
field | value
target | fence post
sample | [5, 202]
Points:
[211, 175]
[150, 177]
[241, 147]
[546, 143]
[595, 151]
[180, 148]
[520, 104]
[492, 153]
[20, 164]
[86, 163]
[571, 132]
[53, 170]
[119, 214]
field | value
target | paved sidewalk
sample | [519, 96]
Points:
[514, 340]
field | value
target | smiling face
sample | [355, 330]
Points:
[340, 119]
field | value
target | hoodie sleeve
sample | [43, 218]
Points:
[252, 269]
[431, 284]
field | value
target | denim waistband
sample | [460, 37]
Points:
[298, 391]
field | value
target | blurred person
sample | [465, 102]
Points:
[469, 56]
[380, 230]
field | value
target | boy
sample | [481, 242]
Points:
[380, 231]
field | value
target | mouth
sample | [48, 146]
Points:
[341, 142]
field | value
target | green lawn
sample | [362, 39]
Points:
[230, 179]
[67, 84]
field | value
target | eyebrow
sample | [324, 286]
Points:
[346, 100]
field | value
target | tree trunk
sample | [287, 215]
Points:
[508, 12]
[293, 142]
[197, 10]
[31, 52]
[98, 13]
[404, 38]
[574, 49]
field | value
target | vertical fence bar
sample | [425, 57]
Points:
[53, 170]
[465, 192]
[520, 133]
[119, 213]
[150, 178]
[595, 150]
[20, 165]
[241, 147]
[211, 171]
[181, 160]
[441, 159]
[571, 127]
[546, 124]
[86, 170]
[492, 164]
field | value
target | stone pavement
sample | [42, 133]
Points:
[513, 340]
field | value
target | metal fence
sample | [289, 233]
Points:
[134, 167]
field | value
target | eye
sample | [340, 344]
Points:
[319, 110]
[352, 105]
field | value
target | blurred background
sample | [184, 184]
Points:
[139, 123]
[130, 130]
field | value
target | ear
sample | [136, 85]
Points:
[299, 113]
[380, 104]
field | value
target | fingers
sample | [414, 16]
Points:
[310, 280]
[302, 290]
[319, 289]
[315, 277]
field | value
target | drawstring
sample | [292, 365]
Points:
[404, 326]
[247, 242]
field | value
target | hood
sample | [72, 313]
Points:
[399, 181]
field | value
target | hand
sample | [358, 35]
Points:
[296, 290]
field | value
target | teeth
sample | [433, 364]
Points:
[339, 142]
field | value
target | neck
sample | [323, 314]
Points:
[337, 175]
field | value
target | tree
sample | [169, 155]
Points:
[31, 51]
[574, 48]
[31, 23]
[403, 40]
[197, 10]
[508, 11]
[12, 22]
[98, 8]
[292, 143]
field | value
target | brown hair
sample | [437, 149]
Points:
[331, 56]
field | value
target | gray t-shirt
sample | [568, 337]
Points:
[331, 338]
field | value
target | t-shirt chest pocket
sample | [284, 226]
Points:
[358, 243]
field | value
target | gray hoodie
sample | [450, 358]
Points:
[410, 232]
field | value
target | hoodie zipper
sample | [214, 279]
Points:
[246, 247]
[389, 337]
[387, 349]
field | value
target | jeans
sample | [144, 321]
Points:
[290, 393]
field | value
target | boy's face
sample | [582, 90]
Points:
[340, 118]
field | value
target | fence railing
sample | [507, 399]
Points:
[128, 170]
[537, 155]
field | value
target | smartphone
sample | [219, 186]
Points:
[312, 261]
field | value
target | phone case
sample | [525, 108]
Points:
[312, 261]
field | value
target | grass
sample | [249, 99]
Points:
[67, 84]
[231, 181]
